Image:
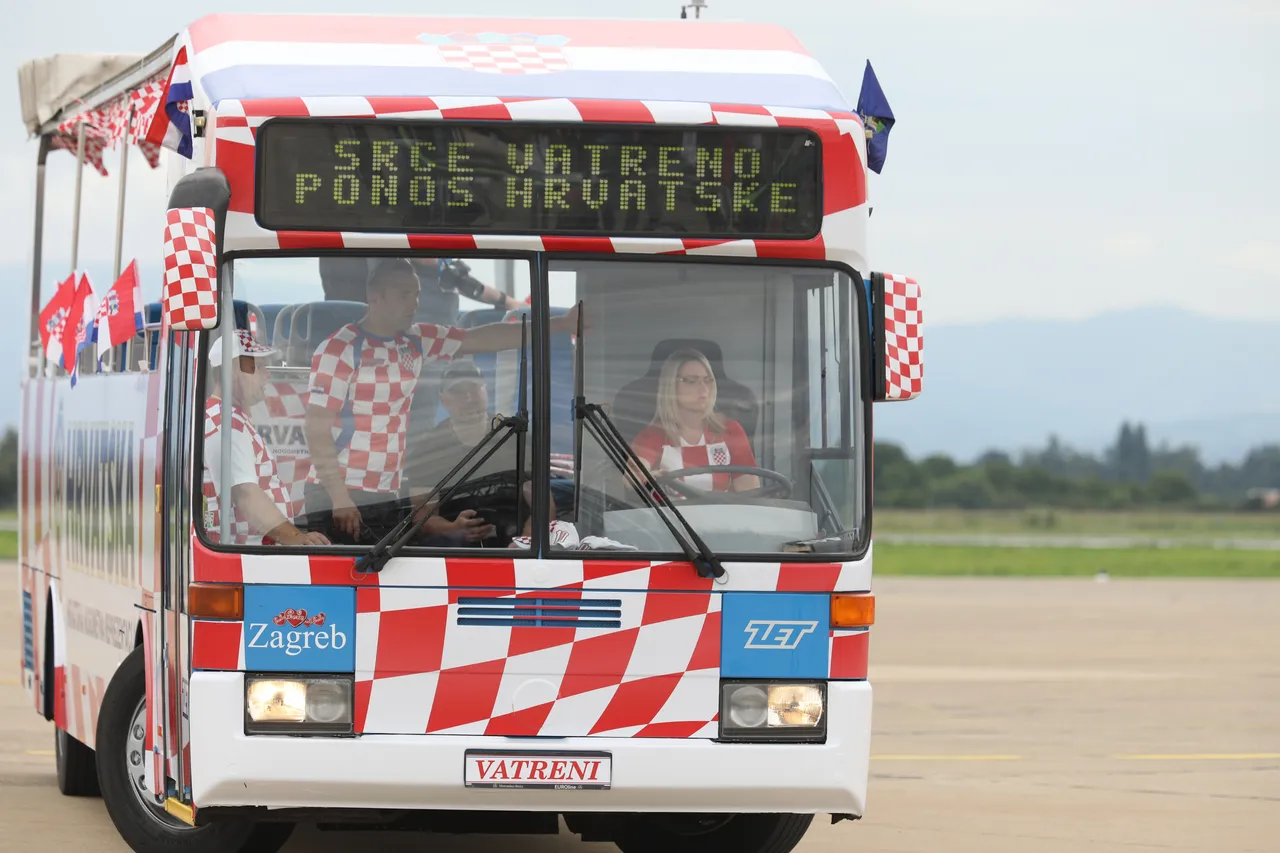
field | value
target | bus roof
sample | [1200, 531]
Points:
[247, 56]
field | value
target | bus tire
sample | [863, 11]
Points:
[142, 822]
[267, 838]
[743, 833]
[76, 763]
[77, 766]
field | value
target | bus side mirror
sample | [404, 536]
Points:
[193, 250]
[896, 337]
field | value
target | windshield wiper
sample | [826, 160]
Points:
[603, 429]
[391, 544]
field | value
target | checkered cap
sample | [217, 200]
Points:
[242, 343]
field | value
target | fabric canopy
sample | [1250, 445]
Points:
[53, 87]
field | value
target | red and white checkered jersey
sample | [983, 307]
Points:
[732, 448]
[370, 381]
[251, 462]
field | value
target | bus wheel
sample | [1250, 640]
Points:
[77, 767]
[744, 833]
[140, 817]
[267, 838]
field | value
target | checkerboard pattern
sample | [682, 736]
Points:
[504, 58]
[903, 341]
[378, 396]
[190, 296]
[418, 670]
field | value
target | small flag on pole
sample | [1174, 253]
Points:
[53, 319]
[120, 312]
[171, 125]
[76, 333]
[877, 118]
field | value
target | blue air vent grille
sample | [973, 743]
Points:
[540, 612]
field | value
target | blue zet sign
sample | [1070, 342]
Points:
[774, 635]
[300, 628]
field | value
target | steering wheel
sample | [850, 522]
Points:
[493, 497]
[782, 486]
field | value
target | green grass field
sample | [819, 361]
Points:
[1029, 522]
[894, 558]
[910, 559]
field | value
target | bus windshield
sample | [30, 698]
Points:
[361, 384]
[737, 385]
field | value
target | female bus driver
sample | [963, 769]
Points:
[688, 433]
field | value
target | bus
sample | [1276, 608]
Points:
[314, 541]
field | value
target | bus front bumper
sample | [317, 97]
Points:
[232, 769]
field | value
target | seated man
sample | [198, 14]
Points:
[465, 396]
[260, 502]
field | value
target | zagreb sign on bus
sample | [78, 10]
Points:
[581, 179]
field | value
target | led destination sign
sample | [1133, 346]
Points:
[502, 177]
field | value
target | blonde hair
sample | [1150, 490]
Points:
[667, 415]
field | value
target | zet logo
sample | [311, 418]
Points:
[777, 633]
[774, 635]
[299, 628]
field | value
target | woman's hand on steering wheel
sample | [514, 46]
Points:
[782, 486]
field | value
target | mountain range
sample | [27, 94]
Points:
[1194, 380]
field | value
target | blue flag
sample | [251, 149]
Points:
[877, 117]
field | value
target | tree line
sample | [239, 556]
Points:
[1128, 474]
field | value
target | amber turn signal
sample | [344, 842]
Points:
[853, 611]
[215, 601]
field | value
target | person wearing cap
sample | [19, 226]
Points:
[465, 396]
[363, 379]
[261, 504]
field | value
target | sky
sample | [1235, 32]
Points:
[1049, 159]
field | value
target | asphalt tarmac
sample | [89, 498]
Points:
[1011, 715]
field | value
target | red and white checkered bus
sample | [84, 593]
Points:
[600, 552]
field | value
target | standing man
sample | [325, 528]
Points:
[363, 378]
[261, 504]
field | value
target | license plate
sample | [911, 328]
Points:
[557, 771]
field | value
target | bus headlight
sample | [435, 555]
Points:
[298, 704]
[755, 710]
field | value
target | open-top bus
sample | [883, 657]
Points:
[605, 556]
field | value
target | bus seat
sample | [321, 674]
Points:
[315, 321]
[636, 402]
[281, 327]
[269, 314]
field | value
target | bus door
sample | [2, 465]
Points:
[171, 652]
[192, 259]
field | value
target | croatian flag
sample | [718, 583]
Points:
[120, 312]
[171, 127]
[76, 332]
[53, 319]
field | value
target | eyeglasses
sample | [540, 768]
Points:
[708, 381]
